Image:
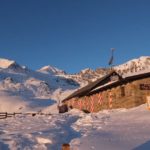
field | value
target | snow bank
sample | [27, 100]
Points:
[119, 129]
[10, 103]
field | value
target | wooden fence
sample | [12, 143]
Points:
[4, 115]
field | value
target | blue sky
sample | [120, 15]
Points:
[73, 34]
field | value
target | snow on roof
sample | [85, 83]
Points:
[99, 87]
[136, 73]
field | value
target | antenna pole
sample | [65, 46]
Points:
[111, 58]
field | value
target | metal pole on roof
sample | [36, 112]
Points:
[110, 63]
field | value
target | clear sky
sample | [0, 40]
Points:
[73, 34]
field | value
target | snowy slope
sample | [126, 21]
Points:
[122, 129]
[135, 65]
[32, 88]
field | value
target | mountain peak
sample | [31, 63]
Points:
[86, 70]
[51, 70]
[5, 63]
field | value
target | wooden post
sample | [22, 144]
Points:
[148, 102]
[3, 115]
[65, 146]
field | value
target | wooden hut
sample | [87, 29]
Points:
[111, 91]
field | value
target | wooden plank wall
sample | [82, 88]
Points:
[124, 96]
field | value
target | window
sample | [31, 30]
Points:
[122, 91]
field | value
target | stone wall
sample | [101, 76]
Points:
[124, 96]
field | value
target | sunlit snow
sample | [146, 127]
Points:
[120, 129]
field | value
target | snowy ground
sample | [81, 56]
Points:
[107, 130]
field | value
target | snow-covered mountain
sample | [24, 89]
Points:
[52, 70]
[34, 89]
[134, 65]
[5, 63]
[90, 75]
[48, 85]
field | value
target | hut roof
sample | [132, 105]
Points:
[84, 90]
[124, 80]
[104, 84]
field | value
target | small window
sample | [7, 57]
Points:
[122, 91]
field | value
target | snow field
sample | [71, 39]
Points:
[120, 129]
